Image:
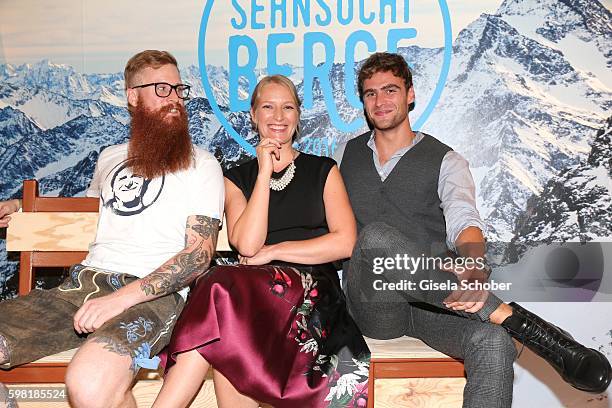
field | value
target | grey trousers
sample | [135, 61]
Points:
[486, 349]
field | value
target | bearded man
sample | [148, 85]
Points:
[161, 202]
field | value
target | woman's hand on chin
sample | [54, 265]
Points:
[263, 257]
[267, 151]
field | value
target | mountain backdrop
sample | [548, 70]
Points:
[528, 102]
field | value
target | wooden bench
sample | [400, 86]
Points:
[55, 231]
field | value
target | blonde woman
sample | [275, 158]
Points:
[275, 327]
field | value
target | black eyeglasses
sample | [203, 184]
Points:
[164, 89]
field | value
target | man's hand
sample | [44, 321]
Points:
[7, 208]
[264, 256]
[94, 313]
[467, 300]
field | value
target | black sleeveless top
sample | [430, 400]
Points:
[296, 212]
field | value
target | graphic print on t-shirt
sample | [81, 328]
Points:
[128, 194]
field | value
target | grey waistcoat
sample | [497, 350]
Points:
[407, 200]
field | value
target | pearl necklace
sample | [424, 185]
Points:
[282, 182]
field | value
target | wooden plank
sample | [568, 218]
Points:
[57, 259]
[35, 373]
[52, 373]
[419, 393]
[51, 231]
[25, 273]
[63, 357]
[52, 369]
[397, 393]
[402, 347]
[62, 231]
[66, 204]
[30, 194]
[407, 348]
[417, 368]
[412, 392]
[144, 391]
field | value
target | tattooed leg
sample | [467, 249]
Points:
[4, 351]
[114, 346]
[100, 374]
[5, 400]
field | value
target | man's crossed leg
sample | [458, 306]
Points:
[387, 314]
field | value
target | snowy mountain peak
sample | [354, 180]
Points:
[490, 36]
[588, 9]
[574, 205]
[46, 64]
[484, 30]
[555, 18]
[580, 29]
[45, 75]
[46, 71]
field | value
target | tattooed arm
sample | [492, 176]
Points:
[176, 273]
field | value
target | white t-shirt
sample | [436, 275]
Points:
[142, 222]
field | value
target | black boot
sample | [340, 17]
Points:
[583, 368]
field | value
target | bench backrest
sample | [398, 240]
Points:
[56, 232]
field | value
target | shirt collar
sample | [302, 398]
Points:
[418, 136]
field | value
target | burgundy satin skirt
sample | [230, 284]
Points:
[280, 334]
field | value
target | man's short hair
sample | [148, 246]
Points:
[146, 59]
[384, 62]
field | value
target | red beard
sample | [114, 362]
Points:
[159, 145]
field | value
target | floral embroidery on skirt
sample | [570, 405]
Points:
[312, 351]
